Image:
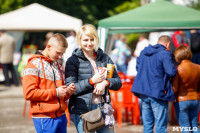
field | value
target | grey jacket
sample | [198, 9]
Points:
[79, 70]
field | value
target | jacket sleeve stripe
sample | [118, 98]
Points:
[30, 71]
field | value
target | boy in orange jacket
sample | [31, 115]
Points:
[44, 86]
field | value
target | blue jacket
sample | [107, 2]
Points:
[155, 68]
[79, 70]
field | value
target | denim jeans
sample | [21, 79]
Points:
[187, 115]
[79, 127]
[51, 125]
[154, 110]
[196, 58]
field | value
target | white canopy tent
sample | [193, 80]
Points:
[36, 17]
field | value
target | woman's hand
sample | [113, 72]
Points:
[98, 78]
[100, 88]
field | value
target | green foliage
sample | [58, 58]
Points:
[90, 11]
[196, 5]
[132, 40]
[9, 5]
[127, 5]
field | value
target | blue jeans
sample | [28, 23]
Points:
[154, 110]
[51, 125]
[79, 123]
[187, 115]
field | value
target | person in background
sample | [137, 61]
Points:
[195, 46]
[186, 85]
[7, 48]
[44, 86]
[152, 84]
[123, 53]
[72, 45]
[142, 43]
[48, 36]
[131, 68]
[82, 70]
[179, 38]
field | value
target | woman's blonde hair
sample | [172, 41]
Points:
[182, 53]
[90, 31]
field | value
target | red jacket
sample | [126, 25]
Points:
[39, 86]
[178, 40]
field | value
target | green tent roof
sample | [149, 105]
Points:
[155, 16]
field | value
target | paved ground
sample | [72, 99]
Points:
[12, 120]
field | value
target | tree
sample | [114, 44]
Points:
[90, 11]
[196, 5]
[9, 5]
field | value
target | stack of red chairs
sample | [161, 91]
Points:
[124, 99]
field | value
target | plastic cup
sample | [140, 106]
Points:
[103, 70]
[110, 70]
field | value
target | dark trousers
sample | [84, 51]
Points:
[196, 58]
[6, 69]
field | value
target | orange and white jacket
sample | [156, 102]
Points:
[41, 77]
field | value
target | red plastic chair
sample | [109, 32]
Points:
[122, 76]
[124, 99]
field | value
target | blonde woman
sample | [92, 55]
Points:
[82, 69]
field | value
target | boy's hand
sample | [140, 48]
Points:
[71, 89]
[61, 91]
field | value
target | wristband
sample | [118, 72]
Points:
[91, 82]
[107, 83]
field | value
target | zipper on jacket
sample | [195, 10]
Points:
[59, 103]
[56, 87]
[56, 114]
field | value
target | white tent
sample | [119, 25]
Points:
[36, 17]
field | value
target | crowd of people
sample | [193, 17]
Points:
[166, 71]
[56, 77]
